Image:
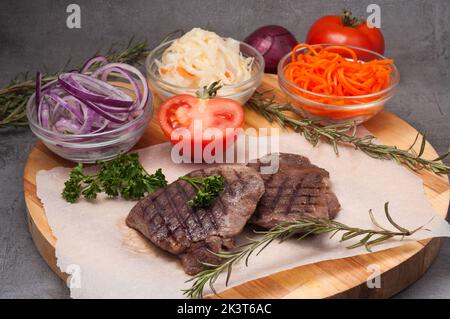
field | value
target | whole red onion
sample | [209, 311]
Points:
[273, 42]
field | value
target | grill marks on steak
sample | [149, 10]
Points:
[165, 218]
[297, 189]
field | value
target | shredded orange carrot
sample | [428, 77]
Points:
[165, 70]
[183, 72]
[336, 71]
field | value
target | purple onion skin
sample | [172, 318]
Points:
[273, 42]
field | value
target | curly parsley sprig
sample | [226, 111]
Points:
[207, 189]
[123, 176]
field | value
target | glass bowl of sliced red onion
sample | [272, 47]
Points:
[91, 115]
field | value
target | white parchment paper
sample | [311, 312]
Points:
[109, 260]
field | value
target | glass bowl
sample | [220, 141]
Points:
[240, 92]
[337, 109]
[89, 148]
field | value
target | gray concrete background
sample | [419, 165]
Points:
[33, 36]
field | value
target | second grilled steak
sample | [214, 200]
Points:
[297, 189]
[169, 222]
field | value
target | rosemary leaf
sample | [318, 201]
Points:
[302, 227]
[344, 134]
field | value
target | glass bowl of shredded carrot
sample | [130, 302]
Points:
[337, 83]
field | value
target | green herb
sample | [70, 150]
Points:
[208, 92]
[302, 228]
[349, 20]
[207, 189]
[123, 176]
[344, 133]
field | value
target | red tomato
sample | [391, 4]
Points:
[345, 30]
[184, 113]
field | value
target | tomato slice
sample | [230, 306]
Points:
[188, 112]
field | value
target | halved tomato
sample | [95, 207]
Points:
[200, 120]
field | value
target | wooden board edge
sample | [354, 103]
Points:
[45, 248]
[408, 271]
[328, 286]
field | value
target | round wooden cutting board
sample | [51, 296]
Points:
[342, 278]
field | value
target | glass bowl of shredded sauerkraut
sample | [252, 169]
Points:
[199, 58]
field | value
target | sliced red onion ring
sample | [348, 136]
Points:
[94, 107]
[102, 127]
[74, 102]
[89, 89]
[76, 112]
[44, 114]
[97, 59]
[132, 70]
[113, 109]
[109, 70]
[66, 126]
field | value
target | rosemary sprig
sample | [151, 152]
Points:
[344, 133]
[303, 227]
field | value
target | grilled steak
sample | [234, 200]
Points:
[169, 222]
[297, 189]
